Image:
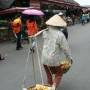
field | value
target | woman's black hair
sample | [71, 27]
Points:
[32, 18]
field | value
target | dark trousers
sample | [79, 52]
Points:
[18, 44]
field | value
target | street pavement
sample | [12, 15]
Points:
[13, 73]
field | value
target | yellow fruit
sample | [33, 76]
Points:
[40, 87]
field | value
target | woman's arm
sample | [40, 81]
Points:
[38, 33]
[65, 47]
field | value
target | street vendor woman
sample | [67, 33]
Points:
[55, 50]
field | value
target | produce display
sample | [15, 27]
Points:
[40, 87]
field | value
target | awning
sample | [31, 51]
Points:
[14, 10]
[65, 3]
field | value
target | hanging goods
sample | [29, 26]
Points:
[37, 86]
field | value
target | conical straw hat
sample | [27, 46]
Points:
[56, 20]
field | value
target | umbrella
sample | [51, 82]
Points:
[33, 12]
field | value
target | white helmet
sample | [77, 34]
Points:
[60, 13]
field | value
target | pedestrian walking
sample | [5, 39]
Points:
[55, 51]
[64, 29]
[83, 19]
[32, 29]
[1, 57]
[16, 27]
[73, 19]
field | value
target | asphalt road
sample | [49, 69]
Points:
[12, 70]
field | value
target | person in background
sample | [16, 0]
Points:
[88, 17]
[32, 29]
[31, 26]
[64, 29]
[1, 57]
[55, 50]
[83, 19]
[16, 27]
[73, 19]
[62, 16]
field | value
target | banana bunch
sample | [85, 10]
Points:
[40, 87]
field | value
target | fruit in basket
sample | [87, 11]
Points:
[40, 87]
[65, 65]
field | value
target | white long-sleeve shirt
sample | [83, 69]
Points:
[55, 47]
